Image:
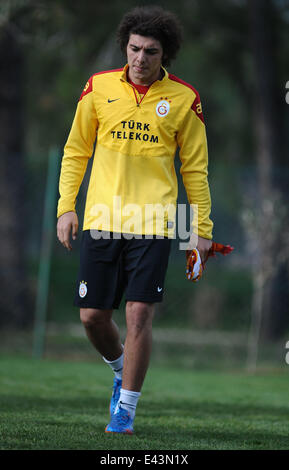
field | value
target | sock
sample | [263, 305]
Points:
[128, 400]
[116, 365]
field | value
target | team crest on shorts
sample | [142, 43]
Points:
[162, 108]
[82, 289]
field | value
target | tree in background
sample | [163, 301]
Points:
[245, 42]
[14, 300]
[270, 225]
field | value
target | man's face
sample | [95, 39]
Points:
[144, 57]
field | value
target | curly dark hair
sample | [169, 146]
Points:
[152, 21]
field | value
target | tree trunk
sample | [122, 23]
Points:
[267, 106]
[14, 286]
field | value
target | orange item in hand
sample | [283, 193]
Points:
[195, 266]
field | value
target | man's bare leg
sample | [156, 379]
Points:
[102, 332]
[138, 344]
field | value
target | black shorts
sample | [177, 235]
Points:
[110, 267]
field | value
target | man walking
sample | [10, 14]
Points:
[136, 117]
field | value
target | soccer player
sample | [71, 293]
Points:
[134, 119]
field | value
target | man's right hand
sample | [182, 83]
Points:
[67, 223]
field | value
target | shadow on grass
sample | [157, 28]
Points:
[212, 438]
[180, 408]
[22, 404]
[200, 409]
[177, 424]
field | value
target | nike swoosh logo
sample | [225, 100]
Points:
[110, 101]
[160, 289]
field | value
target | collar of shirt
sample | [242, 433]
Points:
[142, 89]
[124, 77]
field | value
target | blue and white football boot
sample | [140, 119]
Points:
[115, 395]
[121, 422]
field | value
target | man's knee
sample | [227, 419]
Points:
[92, 316]
[139, 315]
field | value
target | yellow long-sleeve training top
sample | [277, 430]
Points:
[133, 185]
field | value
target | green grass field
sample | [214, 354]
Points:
[53, 404]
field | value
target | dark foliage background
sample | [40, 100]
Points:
[235, 53]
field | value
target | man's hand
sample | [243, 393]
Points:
[196, 258]
[204, 246]
[67, 223]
